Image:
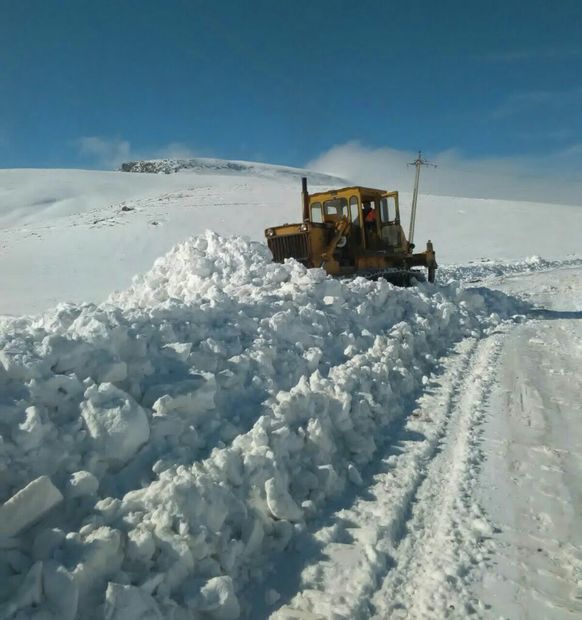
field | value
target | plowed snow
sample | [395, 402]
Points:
[197, 422]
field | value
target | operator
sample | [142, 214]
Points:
[369, 214]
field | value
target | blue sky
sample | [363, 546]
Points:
[87, 83]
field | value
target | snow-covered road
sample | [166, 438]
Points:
[475, 506]
[530, 481]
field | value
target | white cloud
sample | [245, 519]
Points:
[174, 150]
[110, 153]
[542, 179]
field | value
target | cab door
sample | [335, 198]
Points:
[390, 229]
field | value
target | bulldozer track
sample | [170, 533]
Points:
[446, 533]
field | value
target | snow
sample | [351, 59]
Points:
[208, 165]
[82, 483]
[472, 509]
[535, 458]
[226, 437]
[28, 505]
[123, 602]
[209, 410]
[115, 423]
[280, 502]
[216, 599]
[76, 236]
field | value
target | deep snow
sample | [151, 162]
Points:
[472, 508]
[195, 422]
[228, 437]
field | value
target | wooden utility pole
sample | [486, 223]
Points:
[418, 163]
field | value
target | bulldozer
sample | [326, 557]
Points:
[353, 231]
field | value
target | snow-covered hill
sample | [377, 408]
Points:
[228, 437]
[78, 235]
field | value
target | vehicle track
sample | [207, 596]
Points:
[447, 534]
[382, 556]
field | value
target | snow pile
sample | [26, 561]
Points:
[183, 432]
[489, 269]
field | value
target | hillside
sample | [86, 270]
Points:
[78, 235]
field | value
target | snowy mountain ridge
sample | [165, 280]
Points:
[208, 165]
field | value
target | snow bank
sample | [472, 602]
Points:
[193, 423]
[489, 269]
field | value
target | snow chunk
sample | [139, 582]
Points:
[82, 483]
[271, 596]
[217, 599]
[28, 593]
[60, 590]
[481, 528]
[102, 554]
[129, 603]
[280, 503]
[45, 543]
[117, 425]
[140, 545]
[28, 505]
[192, 396]
[180, 350]
[354, 475]
[31, 431]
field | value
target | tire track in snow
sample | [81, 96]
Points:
[351, 560]
[447, 533]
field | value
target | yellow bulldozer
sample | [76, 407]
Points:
[353, 231]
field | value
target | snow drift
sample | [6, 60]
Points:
[486, 270]
[181, 433]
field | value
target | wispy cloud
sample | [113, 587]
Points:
[174, 150]
[574, 150]
[517, 103]
[110, 153]
[552, 178]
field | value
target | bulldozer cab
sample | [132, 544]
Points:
[374, 215]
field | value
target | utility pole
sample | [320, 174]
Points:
[418, 163]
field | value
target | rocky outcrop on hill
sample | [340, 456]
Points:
[221, 166]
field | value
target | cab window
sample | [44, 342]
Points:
[387, 209]
[354, 210]
[316, 215]
[336, 206]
